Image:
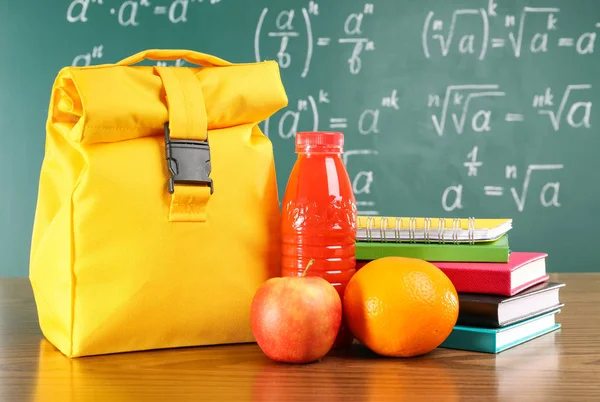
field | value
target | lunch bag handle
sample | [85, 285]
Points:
[201, 59]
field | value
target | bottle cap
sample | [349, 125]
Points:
[319, 141]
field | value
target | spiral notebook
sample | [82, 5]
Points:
[440, 230]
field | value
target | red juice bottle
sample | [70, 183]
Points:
[319, 215]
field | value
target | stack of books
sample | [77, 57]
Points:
[505, 297]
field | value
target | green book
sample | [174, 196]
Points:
[494, 251]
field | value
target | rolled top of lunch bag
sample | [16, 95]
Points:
[235, 94]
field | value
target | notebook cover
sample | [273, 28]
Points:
[480, 223]
[485, 339]
[373, 228]
[481, 310]
[496, 251]
[491, 278]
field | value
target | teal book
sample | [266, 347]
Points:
[490, 340]
[493, 251]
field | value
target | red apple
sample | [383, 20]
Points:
[296, 319]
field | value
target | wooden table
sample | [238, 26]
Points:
[563, 365]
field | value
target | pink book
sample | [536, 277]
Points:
[522, 271]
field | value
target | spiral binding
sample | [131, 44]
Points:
[471, 230]
[411, 229]
[427, 230]
[441, 230]
[455, 227]
[382, 228]
[369, 228]
[427, 227]
[397, 228]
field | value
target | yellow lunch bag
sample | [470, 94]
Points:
[157, 215]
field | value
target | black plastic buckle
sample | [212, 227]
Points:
[188, 161]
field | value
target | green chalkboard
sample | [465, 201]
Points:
[456, 109]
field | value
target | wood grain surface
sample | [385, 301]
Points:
[563, 365]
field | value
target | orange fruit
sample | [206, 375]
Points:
[400, 307]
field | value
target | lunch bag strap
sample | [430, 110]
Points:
[186, 145]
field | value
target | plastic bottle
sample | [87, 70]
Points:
[319, 215]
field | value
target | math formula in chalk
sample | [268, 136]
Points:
[282, 31]
[460, 107]
[308, 112]
[129, 13]
[534, 29]
[549, 191]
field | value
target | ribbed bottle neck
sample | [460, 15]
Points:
[320, 142]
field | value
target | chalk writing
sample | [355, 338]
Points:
[338, 122]
[452, 198]
[391, 101]
[368, 122]
[288, 123]
[86, 59]
[520, 197]
[304, 110]
[353, 31]
[571, 108]
[549, 193]
[284, 32]
[514, 117]
[462, 95]
[362, 181]
[128, 13]
[292, 27]
[479, 43]
[473, 164]
[77, 10]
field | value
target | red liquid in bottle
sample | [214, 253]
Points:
[319, 215]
